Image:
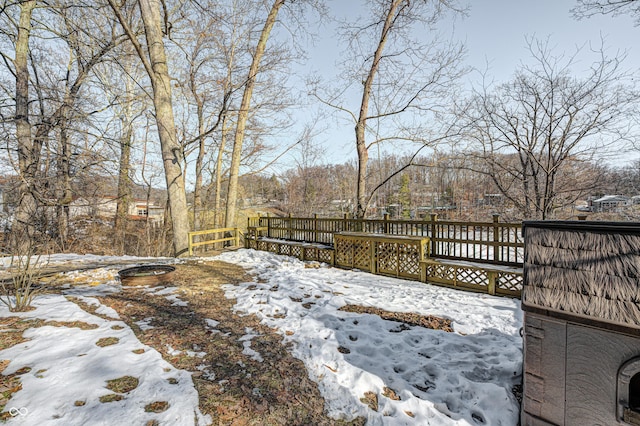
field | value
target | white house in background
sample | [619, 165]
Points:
[610, 203]
[139, 209]
[105, 208]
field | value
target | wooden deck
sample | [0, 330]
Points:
[404, 256]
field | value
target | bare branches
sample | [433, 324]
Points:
[589, 8]
[530, 131]
[401, 75]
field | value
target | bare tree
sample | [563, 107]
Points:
[155, 63]
[589, 8]
[243, 113]
[210, 42]
[28, 148]
[52, 107]
[120, 80]
[88, 37]
[529, 133]
[404, 80]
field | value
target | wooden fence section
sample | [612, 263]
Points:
[221, 236]
[394, 255]
[504, 281]
[303, 251]
[486, 242]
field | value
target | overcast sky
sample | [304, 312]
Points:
[494, 33]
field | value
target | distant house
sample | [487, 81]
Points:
[105, 208]
[491, 200]
[139, 209]
[609, 203]
[341, 206]
[424, 212]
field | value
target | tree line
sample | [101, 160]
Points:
[113, 95]
[435, 185]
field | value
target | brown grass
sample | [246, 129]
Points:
[9, 384]
[426, 321]
[112, 397]
[122, 384]
[13, 329]
[156, 407]
[234, 389]
[107, 341]
[370, 399]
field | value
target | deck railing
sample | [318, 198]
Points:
[494, 242]
[214, 238]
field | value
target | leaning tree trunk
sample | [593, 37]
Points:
[218, 175]
[172, 153]
[361, 144]
[243, 114]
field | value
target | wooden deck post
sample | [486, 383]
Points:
[237, 234]
[247, 236]
[386, 223]
[434, 218]
[492, 278]
[268, 219]
[315, 228]
[496, 251]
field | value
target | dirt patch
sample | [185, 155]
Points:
[427, 321]
[107, 341]
[234, 388]
[9, 384]
[112, 397]
[122, 384]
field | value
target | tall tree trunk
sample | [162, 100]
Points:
[243, 114]
[64, 193]
[172, 153]
[23, 229]
[218, 177]
[361, 124]
[124, 185]
[197, 188]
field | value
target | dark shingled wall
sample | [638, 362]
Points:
[585, 268]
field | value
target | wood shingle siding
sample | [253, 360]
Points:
[572, 268]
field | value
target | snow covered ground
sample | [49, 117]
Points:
[69, 367]
[460, 378]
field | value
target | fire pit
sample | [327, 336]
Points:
[146, 275]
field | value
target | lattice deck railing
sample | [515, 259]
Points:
[486, 242]
[404, 248]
